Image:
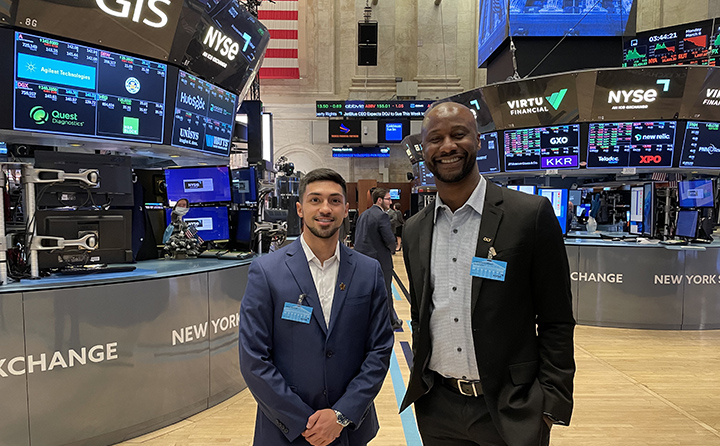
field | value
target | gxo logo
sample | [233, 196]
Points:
[559, 140]
[650, 159]
[125, 7]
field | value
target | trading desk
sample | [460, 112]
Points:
[631, 284]
[98, 359]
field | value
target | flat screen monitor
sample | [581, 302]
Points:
[361, 152]
[701, 147]
[583, 210]
[631, 144]
[636, 204]
[488, 154]
[686, 44]
[344, 131]
[648, 222]
[559, 200]
[696, 194]
[3, 151]
[539, 148]
[114, 189]
[113, 229]
[424, 176]
[69, 89]
[211, 222]
[527, 188]
[244, 185]
[204, 116]
[395, 194]
[209, 184]
[686, 224]
[393, 132]
[244, 229]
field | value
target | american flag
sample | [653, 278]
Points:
[281, 57]
[191, 232]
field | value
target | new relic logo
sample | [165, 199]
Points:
[536, 105]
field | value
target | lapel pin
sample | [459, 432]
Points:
[487, 239]
[342, 286]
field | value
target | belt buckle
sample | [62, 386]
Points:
[460, 382]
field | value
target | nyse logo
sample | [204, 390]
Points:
[123, 8]
[215, 39]
[636, 96]
[650, 159]
[198, 185]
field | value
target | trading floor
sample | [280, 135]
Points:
[633, 388]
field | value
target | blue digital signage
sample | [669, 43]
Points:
[212, 222]
[198, 184]
[556, 147]
[70, 89]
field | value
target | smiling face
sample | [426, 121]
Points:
[450, 142]
[322, 209]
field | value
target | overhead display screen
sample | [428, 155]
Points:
[423, 174]
[540, 148]
[198, 184]
[631, 144]
[701, 146]
[361, 152]
[371, 109]
[204, 116]
[140, 27]
[393, 132]
[220, 41]
[678, 45]
[71, 89]
[488, 155]
[344, 132]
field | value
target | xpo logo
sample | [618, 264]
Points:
[650, 159]
[558, 140]
[155, 18]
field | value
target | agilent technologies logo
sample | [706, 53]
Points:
[196, 102]
[198, 185]
[39, 115]
[132, 85]
[344, 129]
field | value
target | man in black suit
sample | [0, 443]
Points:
[374, 238]
[491, 305]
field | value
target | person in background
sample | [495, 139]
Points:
[396, 223]
[492, 320]
[314, 340]
[374, 238]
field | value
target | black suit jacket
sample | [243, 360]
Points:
[522, 327]
[374, 237]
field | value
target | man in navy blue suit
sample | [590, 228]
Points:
[315, 342]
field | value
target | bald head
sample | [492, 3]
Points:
[446, 110]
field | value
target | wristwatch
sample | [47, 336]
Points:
[342, 419]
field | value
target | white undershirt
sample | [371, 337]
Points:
[324, 275]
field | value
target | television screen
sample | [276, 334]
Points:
[631, 144]
[686, 224]
[221, 42]
[244, 230]
[395, 194]
[492, 29]
[557, 18]
[361, 152]
[527, 188]
[701, 146]
[198, 184]
[244, 185]
[69, 89]
[344, 131]
[145, 28]
[204, 116]
[488, 154]
[211, 223]
[675, 45]
[696, 194]
[648, 222]
[423, 174]
[559, 200]
[392, 132]
[636, 204]
[556, 147]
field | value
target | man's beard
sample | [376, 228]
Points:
[467, 168]
[319, 233]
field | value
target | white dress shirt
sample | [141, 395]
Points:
[453, 248]
[324, 275]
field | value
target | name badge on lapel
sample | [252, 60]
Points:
[488, 268]
[297, 312]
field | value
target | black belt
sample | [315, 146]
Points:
[461, 386]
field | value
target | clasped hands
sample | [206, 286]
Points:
[322, 428]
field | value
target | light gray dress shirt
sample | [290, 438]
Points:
[324, 275]
[453, 248]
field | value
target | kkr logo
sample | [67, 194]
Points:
[650, 159]
[556, 98]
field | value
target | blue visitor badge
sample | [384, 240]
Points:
[488, 269]
[297, 313]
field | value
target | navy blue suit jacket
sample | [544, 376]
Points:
[374, 236]
[294, 369]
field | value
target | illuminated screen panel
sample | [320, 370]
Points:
[198, 184]
[211, 222]
[631, 144]
[556, 147]
[361, 152]
[70, 89]
[371, 109]
[204, 116]
[701, 147]
[344, 132]
[423, 174]
[558, 18]
[636, 204]
[393, 132]
[488, 155]
[696, 194]
[492, 29]
[678, 45]
[559, 200]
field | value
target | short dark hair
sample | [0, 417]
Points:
[321, 174]
[379, 192]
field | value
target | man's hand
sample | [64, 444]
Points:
[322, 428]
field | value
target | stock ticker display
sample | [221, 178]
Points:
[631, 144]
[679, 45]
[556, 147]
[701, 147]
[488, 155]
[72, 89]
[204, 116]
[371, 109]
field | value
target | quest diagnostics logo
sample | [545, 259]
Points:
[39, 115]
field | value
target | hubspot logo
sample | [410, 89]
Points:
[39, 115]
